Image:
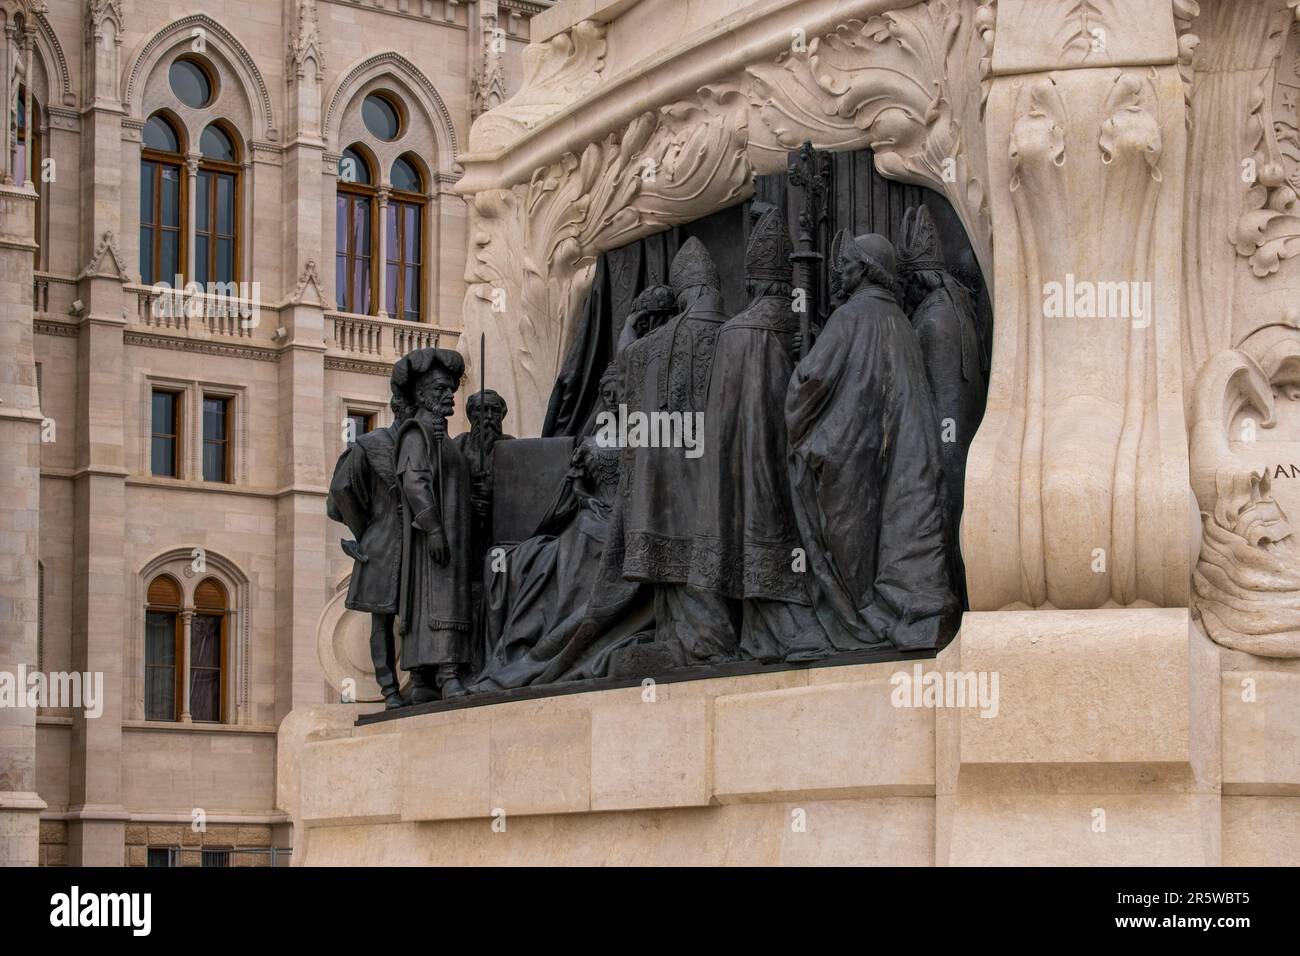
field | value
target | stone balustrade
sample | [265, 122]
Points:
[387, 340]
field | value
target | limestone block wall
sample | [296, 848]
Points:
[1130, 745]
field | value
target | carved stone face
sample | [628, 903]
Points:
[437, 393]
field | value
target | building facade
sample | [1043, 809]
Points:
[286, 171]
[1127, 532]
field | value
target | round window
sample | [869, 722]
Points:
[191, 83]
[381, 117]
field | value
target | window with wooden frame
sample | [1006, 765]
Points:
[165, 433]
[26, 136]
[216, 213]
[162, 202]
[208, 652]
[405, 234]
[354, 230]
[216, 437]
[361, 423]
[162, 650]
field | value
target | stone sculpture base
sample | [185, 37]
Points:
[1122, 737]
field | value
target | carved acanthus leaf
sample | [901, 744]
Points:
[535, 244]
[558, 72]
[906, 84]
[1269, 230]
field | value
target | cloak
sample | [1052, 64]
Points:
[746, 534]
[865, 468]
[364, 496]
[667, 370]
[946, 328]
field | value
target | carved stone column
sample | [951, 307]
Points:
[300, 560]
[97, 821]
[183, 663]
[1077, 499]
[381, 287]
[192, 218]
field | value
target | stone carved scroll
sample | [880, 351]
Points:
[906, 83]
[534, 245]
[1083, 434]
[1247, 581]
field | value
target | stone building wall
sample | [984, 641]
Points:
[1128, 533]
[290, 79]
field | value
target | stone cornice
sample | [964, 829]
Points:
[179, 344]
[55, 327]
[357, 365]
[761, 33]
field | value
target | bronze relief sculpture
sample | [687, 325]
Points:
[813, 514]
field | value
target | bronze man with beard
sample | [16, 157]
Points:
[486, 411]
[434, 477]
[866, 468]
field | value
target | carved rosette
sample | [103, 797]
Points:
[1247, 580]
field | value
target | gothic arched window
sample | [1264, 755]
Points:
[162, 650]
[405, 241]
[354, 234]
[216, 208]
[162, 192]
[208, 652]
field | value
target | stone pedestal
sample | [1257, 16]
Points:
[1115, 738]
[1105, 749]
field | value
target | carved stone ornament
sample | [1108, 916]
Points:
[1269, 230]
[306, 42]
[1245, 464]
[906, 83]
[310, 279]
[106, 262]
[564, 68]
